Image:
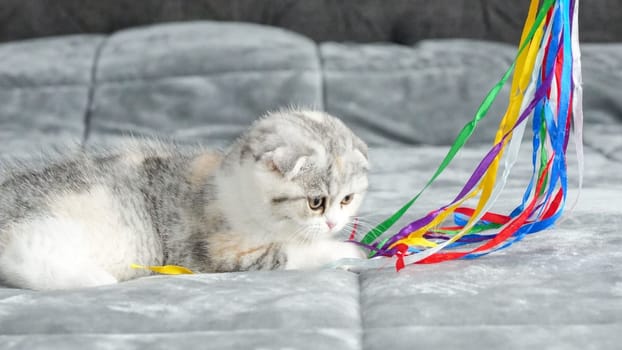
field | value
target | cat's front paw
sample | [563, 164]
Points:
[345, 250]
[347, 256]
[321, 254]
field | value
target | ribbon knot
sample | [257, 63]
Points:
[401, 253]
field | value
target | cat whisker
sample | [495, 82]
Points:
[360, 227]
[368, 222]
[374, 217]
[297, 235]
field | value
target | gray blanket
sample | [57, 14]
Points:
[205, 82]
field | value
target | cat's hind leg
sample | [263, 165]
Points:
[47, 254]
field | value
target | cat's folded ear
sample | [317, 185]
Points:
[288, 163]
[285, 161]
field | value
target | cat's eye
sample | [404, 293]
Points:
[347, 199]
[316, 203]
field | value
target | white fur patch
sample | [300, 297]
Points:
[81, 243]
[50, 253]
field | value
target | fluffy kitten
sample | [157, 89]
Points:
[274, 200]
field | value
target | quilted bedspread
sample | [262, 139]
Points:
[205, 82]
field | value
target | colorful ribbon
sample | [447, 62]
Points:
[546, 86]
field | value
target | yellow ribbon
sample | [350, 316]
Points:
[165, 270]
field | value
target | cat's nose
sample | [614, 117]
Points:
[330, 224]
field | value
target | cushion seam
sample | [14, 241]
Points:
[90, 97]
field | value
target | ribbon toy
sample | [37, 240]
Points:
[546, 86]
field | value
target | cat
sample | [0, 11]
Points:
[274, 200]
